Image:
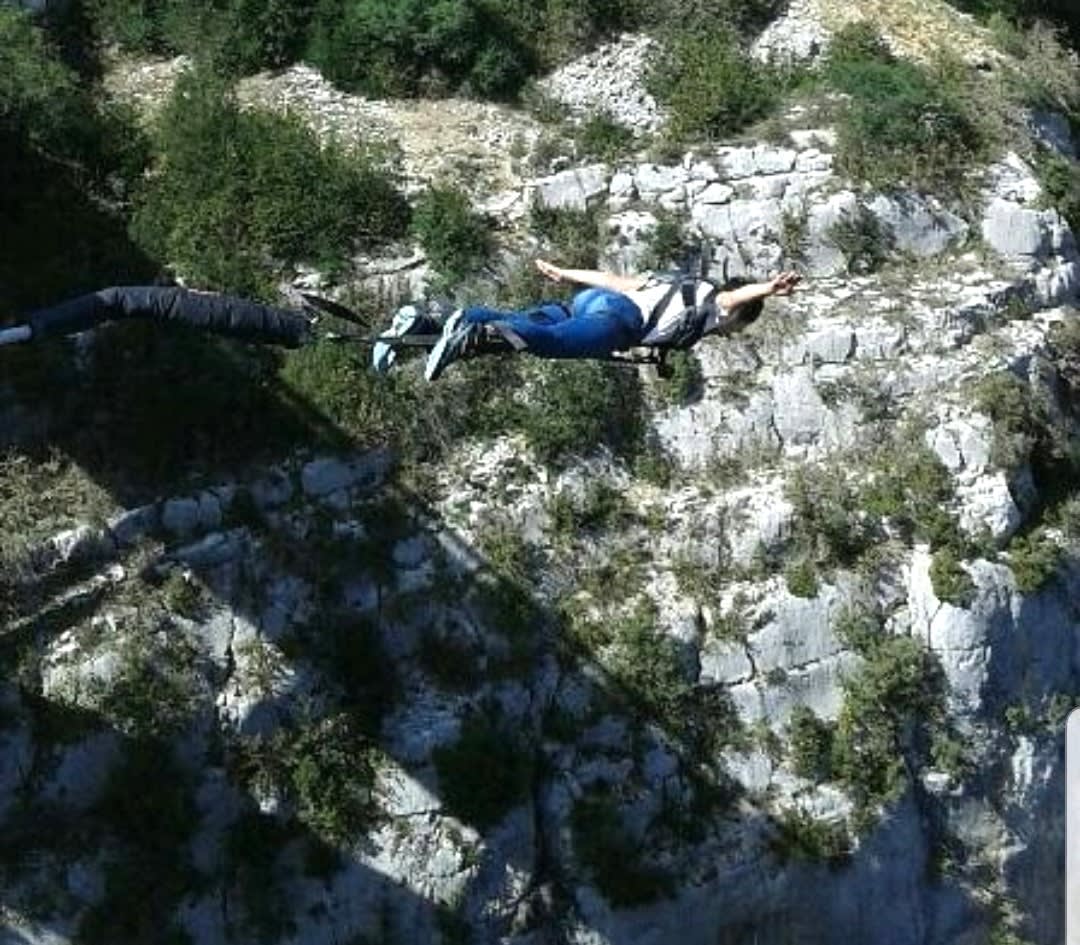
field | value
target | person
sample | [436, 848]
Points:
[611, 313]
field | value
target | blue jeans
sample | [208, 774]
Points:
[596, 323]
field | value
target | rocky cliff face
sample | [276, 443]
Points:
[811, 685]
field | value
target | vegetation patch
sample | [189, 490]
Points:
[801, 836]
[615, 862]
[456, 239]
[901, 123]
[810, 742]
[710, 86]
[485, 773]
[234, 187]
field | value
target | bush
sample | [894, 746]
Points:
[710, 86]
[811, 743]
[573, 234]
[408, 47]
[573, 408]
[1034, 559]
[484, 774]
[457, 240]
[902, 124]
[889, 705]
[801, 836]
[601, 138]
[614, 862]
[952, 584]
[240, 190]
[862, 239]
[1060, 179]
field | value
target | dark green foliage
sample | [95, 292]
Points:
[666, 244]
[410, 47]
[236, 187]
[951, 582]
[456, 239]
[902, 124]
[828, 529]
[65, 161]
[859, 629]
[912, 488]
[1060, 179]
[862, 239]
[1018, 417]
[1034, 559]
[686, 381]
[710, 86]
[801, 579]
[573, 234]
[601, 138]
[615, 862]
[891, 705]
[801, 836]
[575, 407]
[1063, 12]
[645, 662]
[485, 773]
[811, 745]
[252, 846]
[601, 507]
[149, 815]
[326, 767]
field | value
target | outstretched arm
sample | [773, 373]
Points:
[592, 277]
[10, 336]
[782, 284]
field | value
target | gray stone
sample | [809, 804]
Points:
[822, 256]
[133, 524]
[1052, 130]
[715, 193]
[918, 226]
[324, 476]
[1013, 230]
[180, 516]
[80, 545]
[272, 490]
[572, 189]
[652, 180]
[82, 770]
[760, 159]
[213, 550]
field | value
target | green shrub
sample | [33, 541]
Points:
[894, 699]
[601, 507]
[911, 487]
[901, 124]
[601, 138]
[645, 662]
[811, 745]
[862, 239]
[484, 774]
[801, 836]
[801, 579]
[1034, 559]
[828, 528]
[1017, 417]
[575, 407]
[236, 187]
[326, 767]
[1060, 179]
[615, 863]
[685, 382]
[456, 239]
[573, 234]
[149, 816]
[952, 584]
[409, 47]
[710, 86]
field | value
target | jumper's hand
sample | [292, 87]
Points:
[784, 284]
[553, 272]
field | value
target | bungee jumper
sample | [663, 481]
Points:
[661, 312]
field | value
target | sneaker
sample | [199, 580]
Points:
[457, 341]
[407, 320]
